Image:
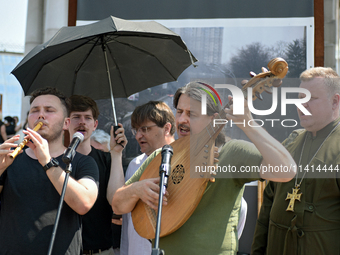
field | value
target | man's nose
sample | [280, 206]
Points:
[139, 134]
[183, 118]
[41, 115]
[82, 120]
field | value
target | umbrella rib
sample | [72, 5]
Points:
[87, 55]
[80, 45]
[82, 63]
[48, 45]
[144, 51]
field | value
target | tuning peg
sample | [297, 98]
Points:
[277, 82]
[258, 95]
[252, 74]
[244, 82]
[264, 70]
[269, 90]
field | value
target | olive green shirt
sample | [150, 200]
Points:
[314, 226]
[212, 228]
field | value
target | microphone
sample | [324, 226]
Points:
[71, 150]
[165, 166]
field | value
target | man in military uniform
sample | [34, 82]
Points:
[302, 216]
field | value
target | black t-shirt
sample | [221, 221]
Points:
[10, 129]
[97, 232]
[1, 139]
[29, 206]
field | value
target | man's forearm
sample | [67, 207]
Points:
[80, 194]
[124, 199]
[116, 175]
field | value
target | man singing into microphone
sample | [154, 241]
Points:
[31, 185]
[98, 237]
[211, 229]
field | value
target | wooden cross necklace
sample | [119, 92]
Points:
[294, 195]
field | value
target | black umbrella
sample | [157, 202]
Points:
[110, 58]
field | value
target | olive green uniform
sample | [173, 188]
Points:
[314, 226]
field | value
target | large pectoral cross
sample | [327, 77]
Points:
[293, 196]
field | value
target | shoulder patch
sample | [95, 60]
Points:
[293, 136]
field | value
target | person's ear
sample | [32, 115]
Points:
[336, 101]
[167, 128]
[67, 122]
[95, 125]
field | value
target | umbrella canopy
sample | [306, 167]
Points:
[109, 58]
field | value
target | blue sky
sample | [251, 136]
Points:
[13, 15]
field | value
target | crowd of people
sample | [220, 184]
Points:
[9, 127]
[99, 191]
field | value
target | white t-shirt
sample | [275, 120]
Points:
[131, 243]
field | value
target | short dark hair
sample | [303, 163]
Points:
[155, 111]
[9, 119]
[52, 91]
[79, 103]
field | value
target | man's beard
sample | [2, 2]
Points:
[56, 133]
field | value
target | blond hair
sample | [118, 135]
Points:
[331, 78]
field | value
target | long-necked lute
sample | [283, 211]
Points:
[185, 190]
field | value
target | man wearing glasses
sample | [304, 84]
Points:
[153, 125]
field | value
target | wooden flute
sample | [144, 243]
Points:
[24, 142]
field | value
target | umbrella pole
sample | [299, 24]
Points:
[110, 84]
[111, 93]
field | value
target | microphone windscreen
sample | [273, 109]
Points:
[167, 147]
[78, 135]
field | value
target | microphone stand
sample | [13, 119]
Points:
[156, 250]
[68, 170]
